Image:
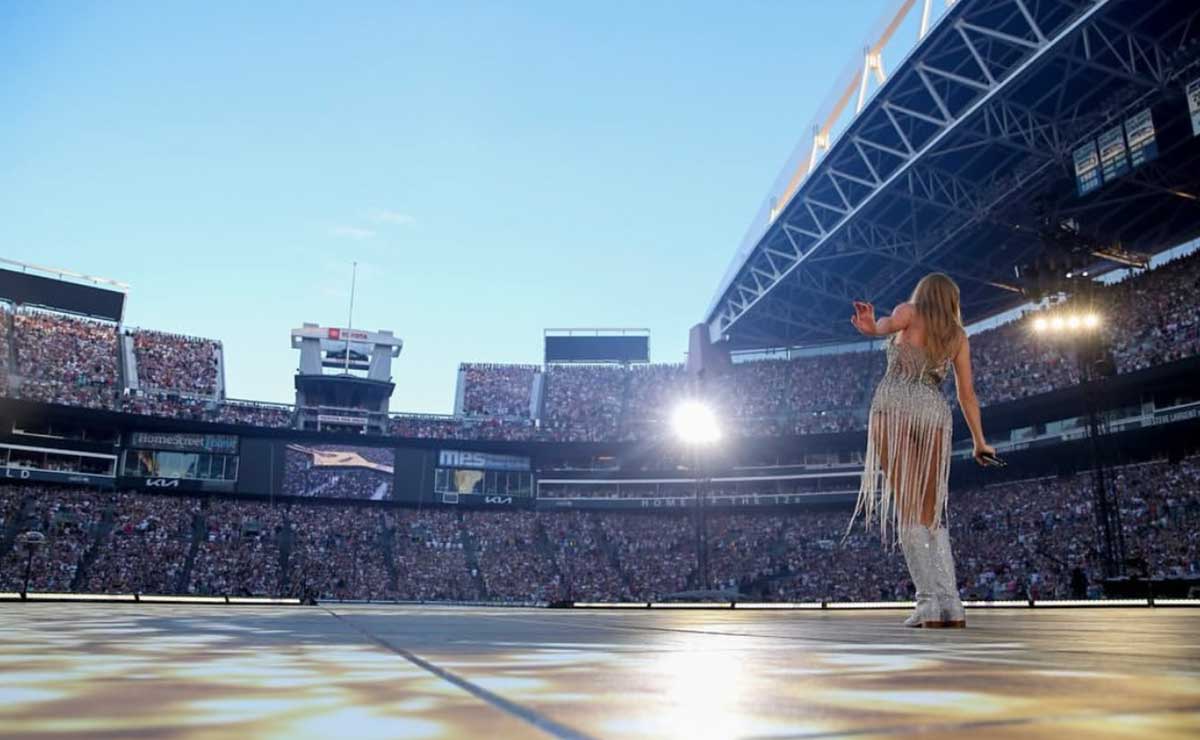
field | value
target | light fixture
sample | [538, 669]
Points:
[1039, 324]
[695, 423]
[1091, 321]
[1073, 322]
[1057, 323]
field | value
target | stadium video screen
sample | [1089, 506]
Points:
[597, 349]
[338, 471]
[35, 290]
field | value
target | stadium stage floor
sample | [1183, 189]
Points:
[108, 671]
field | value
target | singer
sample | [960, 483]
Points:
[906, 471]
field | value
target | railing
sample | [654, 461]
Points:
[1137, 421]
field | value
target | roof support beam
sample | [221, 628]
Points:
[964, 102]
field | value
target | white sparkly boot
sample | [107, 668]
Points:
[945, 584]
[917, 545]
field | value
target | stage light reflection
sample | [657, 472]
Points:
[1066, 322]
[695, 423]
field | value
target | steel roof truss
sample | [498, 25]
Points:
[834, 172]
[1129, 56]
[999, 46]
[953, 77]
[1008, 38]
[903, 156]
[983, 67]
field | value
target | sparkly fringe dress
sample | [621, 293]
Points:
[908, 442]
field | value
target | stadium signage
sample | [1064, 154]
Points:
[715, 502]
[1139, 129]
[1114, 161]
[184, 442]
[1087, 168]
[346, 335]
[57, 476]
[340, 419]
[159, 483]
[481, 460]
[498, 499]
[1193, 97]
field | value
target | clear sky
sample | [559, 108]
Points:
[495, 168]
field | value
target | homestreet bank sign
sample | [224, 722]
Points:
[481, 460]
[184, 442]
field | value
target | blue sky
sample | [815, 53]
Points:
[495, 168]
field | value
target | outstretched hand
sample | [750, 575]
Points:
[864, 318]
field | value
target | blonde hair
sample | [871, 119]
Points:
[936, 300]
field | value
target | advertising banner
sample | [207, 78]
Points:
[1087, 169]
[160, 484]
[1139, 131]
[481, 460]
[184, 442]
[1114, 162]
[1193, 97]
[17, 474]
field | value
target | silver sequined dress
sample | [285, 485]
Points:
[908, 441]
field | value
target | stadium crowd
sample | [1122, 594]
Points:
[173, 362]
[1012, 540]
[497, 390]
[69, 360]
[64, 359]
[4, 348]
[583, 402]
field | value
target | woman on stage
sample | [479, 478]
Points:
[907, 466]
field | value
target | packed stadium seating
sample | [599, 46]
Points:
[1012, 540]
[497, 390]
[68, 360]
[64, 359]
[171, 362]
[4, 348]
[583, 402]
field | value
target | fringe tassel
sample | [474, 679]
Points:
[908, 454]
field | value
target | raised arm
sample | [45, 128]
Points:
[964, 383]
[864, 319]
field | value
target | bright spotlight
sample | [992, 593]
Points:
[1039, 324]
[1091, 321]
[1073, 322]
[695, 423]
[1057, 323]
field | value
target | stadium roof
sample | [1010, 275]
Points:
[961, 157]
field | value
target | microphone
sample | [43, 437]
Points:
[991, 460]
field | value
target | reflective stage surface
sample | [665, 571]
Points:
[124, 671]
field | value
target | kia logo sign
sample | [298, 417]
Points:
[162, 483]
[497, 499]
